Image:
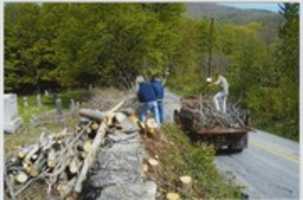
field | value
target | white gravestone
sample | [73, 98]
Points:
[25, 101]
[46, 93]
[39, 101]
[72, 105]
[12, 121]
[90, 87]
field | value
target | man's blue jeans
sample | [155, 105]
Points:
[161, 110]
[145, 107]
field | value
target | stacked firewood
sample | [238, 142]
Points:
[62, 160]
[205, 115]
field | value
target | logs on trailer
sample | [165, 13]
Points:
[204, 114]
[62, 160]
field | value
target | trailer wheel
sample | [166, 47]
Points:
[177, 117]
[240, 145]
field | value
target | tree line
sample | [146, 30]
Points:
[71, 45]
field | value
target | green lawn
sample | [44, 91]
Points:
[28, 133]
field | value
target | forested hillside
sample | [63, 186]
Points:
[72, 45]
[269, 20]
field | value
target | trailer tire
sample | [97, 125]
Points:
[240, 145]
[177, 117]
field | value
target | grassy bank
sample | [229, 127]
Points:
[179, 157]
[48, 102]
[29, 133]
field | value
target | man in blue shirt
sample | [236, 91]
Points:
[159, 92]
[147, 98]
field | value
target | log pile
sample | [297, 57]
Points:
[204, 114]
[62, 160]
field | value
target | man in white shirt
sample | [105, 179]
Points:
[220, 98]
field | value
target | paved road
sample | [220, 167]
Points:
[268, 168]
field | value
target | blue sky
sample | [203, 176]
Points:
[264, 6]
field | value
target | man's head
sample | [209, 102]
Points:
[155, 76]
[208, 79]
[139, 79]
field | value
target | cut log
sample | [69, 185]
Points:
[119, 117]
[27, 166]
[87, 146]
[91, 156]
[186, 182]
[152, 128]
[88, 130]
[34, 157]
[83, 155]
[33, 171]
[145, 168]
[92, 114]
[95, 126]
[134, 119]
[21, 177]
[153, 162]
[173, 196]
[98, 140]
[74, 166]
[51, 159]
[24, 151]
[32, 152]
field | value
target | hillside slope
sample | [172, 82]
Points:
[270, 21]
[230, 14]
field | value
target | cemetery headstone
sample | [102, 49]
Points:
[90, 87]
[12, 121]
[46, 93]
[59, 110]
[59, 106]
[72, 105]
[39, 101]
[78, 105]
[25, 101]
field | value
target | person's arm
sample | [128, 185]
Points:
[164, 82]
[136, 88]
[165, 78]
[218, 81]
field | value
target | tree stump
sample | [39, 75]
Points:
[173, 196]
[186, 184]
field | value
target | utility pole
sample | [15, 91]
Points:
[210, 46]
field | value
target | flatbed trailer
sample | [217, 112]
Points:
[235, 139]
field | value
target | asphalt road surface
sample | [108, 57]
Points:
[268, 168]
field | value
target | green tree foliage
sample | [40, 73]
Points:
[53, 45]
[77, 44]
[264, 78]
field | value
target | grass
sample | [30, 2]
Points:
[28, 133]
[27, 113]
[179, 157]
